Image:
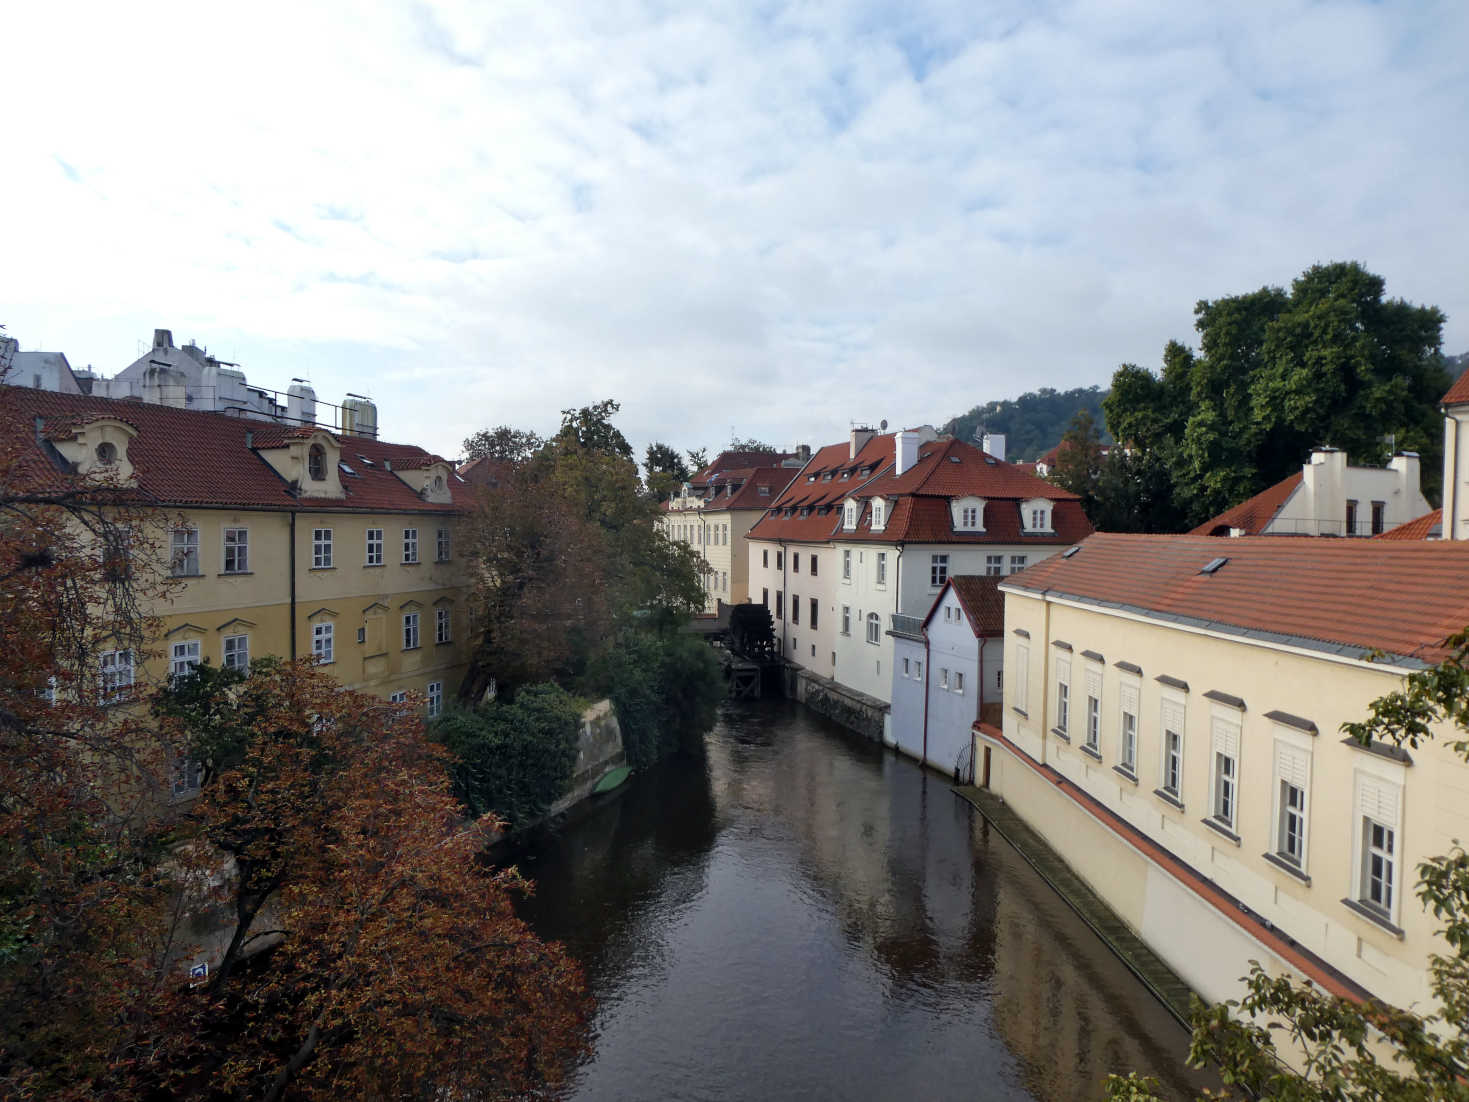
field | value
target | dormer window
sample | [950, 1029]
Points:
[106, 454]
[438, 483]
[316, 463]
[879, 514]
[967, 514]
[1035, 515]
[849, 516]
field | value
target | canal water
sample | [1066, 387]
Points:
[798, 914]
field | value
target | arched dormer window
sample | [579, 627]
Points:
[849, 515]
[106, 453]
[316, 463]
[879, 514]
[968, 514]
[1035, 515]
[438, 483]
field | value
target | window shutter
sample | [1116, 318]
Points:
[1226, 738]
[1094, 684]
[1377, 800]
[1063, 672]
[1173, 717]
[1293, 765]
[1128, 696]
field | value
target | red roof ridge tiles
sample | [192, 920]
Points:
[1419, 528]
[1348, 597]
[1253, 515]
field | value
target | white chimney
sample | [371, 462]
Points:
[860, 436]
[994, 444]
[905, 450]
[301, 402]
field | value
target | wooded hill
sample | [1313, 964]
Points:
[1033, 423]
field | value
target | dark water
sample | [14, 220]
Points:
[802, 915]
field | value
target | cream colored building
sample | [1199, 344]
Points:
[1173, 729]
[286, 541]
[715, 510]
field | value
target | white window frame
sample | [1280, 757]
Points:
[994, 565]
[410, 546]
[874, 629]
[944, 678]
[434, 694]
[938, 571]
[1224, 771]
[321, 548]
[399, 697]
[1093, 740]
[235, 653]
[1018, 563]
[846, 619]
[115, 668]
[959, 682]
[1063, 696]
[374, 547]
[1377, 801]
[882, 569]
[183, 656]
[1292, 771]
[1172, 714]
[323, 642]
[1127, 726]
[443, 625]
[443, 545]
[184, 545]
[236, 546]
[410, 631]
[846, 565]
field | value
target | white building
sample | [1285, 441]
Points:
[874, 526]
[948, 671]
[1328, 498]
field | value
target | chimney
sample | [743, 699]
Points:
[994, 444]
[163, 338]
[1406, 464]
[860, 435]
[905, 450]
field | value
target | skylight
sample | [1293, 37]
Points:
[1070, 551]
[348, 469]
[1213, 565]
[365, 461]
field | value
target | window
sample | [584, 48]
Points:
[374, 547]
[106, 453]
[1022, 677]
[237, 550]
[813, 613]
[850, 518]
[321, 642]
[1063, 696]
[183, 657]
[877, 514]
[237, 653]
[795, 609]
[410, 631]
[435, 694]
[443, 625]
[959, 682]
[117, 674]
[779, 605]
[1377, 810]
[846, 566]
[969, 517]
[994, 565]
[1094, 711]
[410, 545]
[1351, 518]
[1017, 563]
[185, 558]
[321, 548]
[398, 698]
[1038, 518]
[1292, 779]
[882, 568]
[906, 670]
[813, 564]
[917, 671]
[1129, 732]
[316, 463]
[938, 570]
[1379, 517]
[442, 546]
[765, 596]
[186, 778]
[1225, 786]
[779, 560]
[846, 619]
[765, 556]
[1172, 748]
[795, 562]
[944, 678]
[874, 629]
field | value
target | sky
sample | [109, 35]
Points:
[749, 219]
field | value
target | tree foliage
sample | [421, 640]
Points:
[1348, 1051]
[1033, 423]
[664, 470]
[750, 444]
[665, 686]
[512, 758]
[507, 445]
[1277, 373]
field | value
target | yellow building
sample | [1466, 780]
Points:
[1172, 728]
[714, 511]
[281, 540]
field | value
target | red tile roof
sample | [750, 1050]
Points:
[983, 603]
[1458, 394]
[1428, 526]
[1253, 514]
[1347, 597]
[920, 497]
[736, 460]
[189, 458]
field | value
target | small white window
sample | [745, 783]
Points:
[410, 545]
[918, 671]
[443, 625]
[1127, 698]
[938, 570]
[874, 629]
[1225, 787]
[442, 546]
[321, 548]
[882, 568]
[877, 515]
[321, 642]
[237, 653]
[185, 558]
[1094, 711]
[846, 619]
[846, 566]
[435, 694]
[970, 517]
[106, 452]
[959, 682]
[117, 674]
[943, 677]
[850, 520]
[907, 670]
[1063, 696]
[237, 550]
[183, 657]
[1017, 563]
[994, 565]
[398, 698]
[316, 463]
[1172, 766]
[410, 631]
[374, 547]
[1378, 810]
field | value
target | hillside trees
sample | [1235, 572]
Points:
[1277, 373]
[1032, 423]
[1349, 1051]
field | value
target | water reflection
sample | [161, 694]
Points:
[799, 914]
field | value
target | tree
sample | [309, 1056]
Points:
[504, 444]
[1079, 461]
[751, 445]
[1276, 374]
[664, 469]
[391, 961]
[1339, 1043]
[698, 458]
[591, 428]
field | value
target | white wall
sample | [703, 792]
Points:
[952, 711]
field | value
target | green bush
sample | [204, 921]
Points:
[514, 758]
[666, 688]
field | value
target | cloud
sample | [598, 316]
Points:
[769, 219]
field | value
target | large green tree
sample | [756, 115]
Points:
[1349, 1051]
[664, 470]
[1332, 361]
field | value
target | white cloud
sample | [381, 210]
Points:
[765, 219]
